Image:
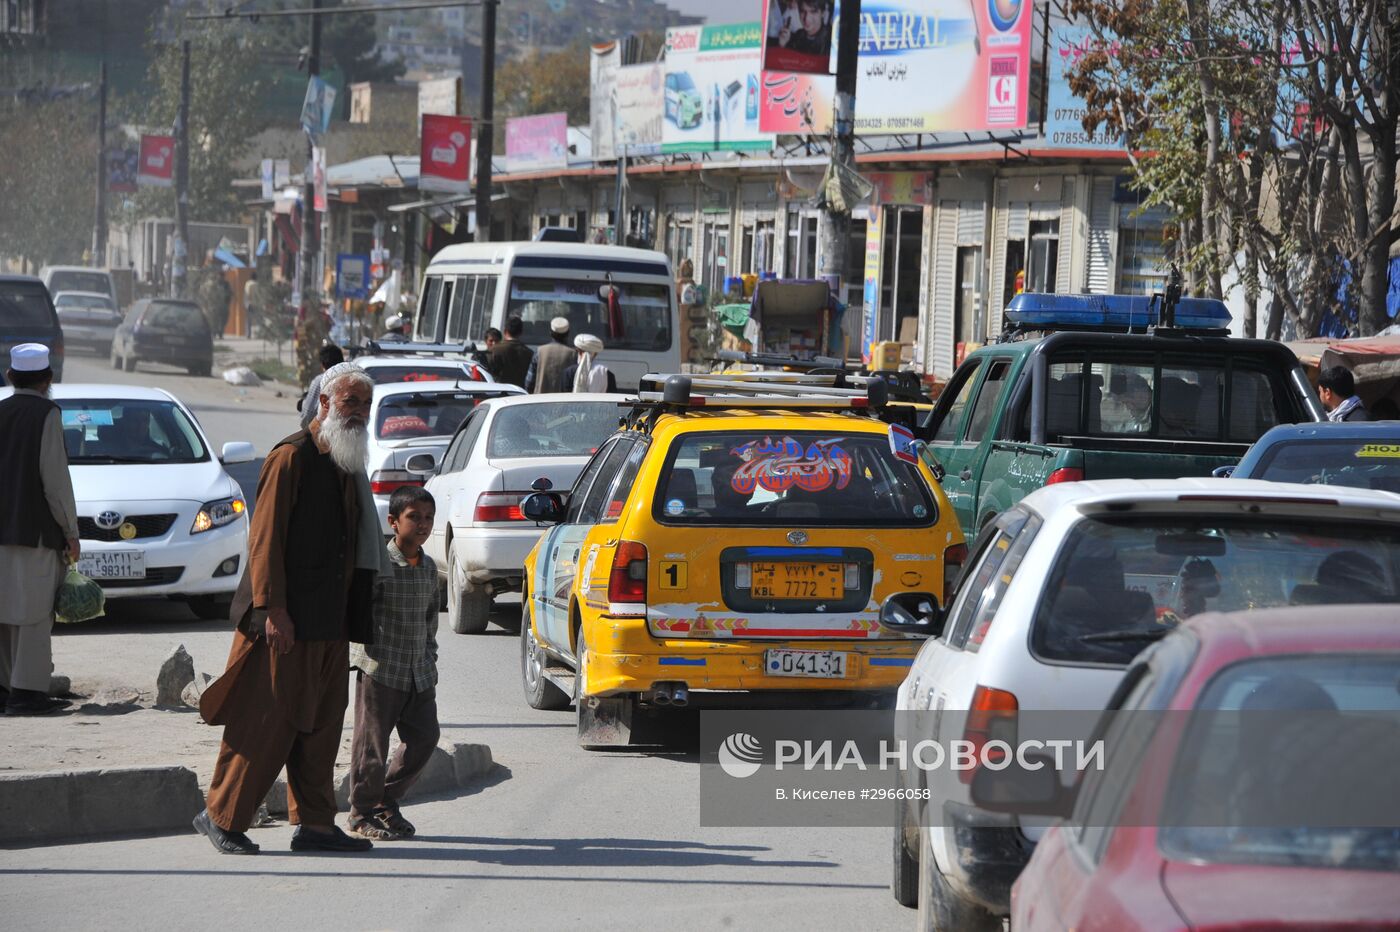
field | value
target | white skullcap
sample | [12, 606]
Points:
[559, 325]
[340, 371]
[29, 357]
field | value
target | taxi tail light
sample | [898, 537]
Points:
[499, 506]
[953, 559]
[385, 481]
[627, 583]
[1066, 474]
[991, 716]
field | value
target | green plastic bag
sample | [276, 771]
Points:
[79, 598]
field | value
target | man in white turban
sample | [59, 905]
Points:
[587, 374]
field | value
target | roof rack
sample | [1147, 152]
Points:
[400, 348]
[902, 386]
[678, 394]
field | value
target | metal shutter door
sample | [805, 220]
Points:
[1099, 277]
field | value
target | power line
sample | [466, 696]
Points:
[235, 13]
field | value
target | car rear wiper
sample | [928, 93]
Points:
[1128, 634]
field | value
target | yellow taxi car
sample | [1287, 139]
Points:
[735, 542]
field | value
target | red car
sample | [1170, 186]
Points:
[1131, 853]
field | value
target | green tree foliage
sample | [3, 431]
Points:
[227, 75]
[545, 82]
[1269, 128]
[49, 154]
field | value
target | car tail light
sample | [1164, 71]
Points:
[499, 506]
[991, 717]
[953, 559]
[385, 481]
[627, 583]
[1066, 474]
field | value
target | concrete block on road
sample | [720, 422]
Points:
[451, 767]
[471, 762]
[47, 807]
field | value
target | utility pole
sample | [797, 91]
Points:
[179, 264]
[99, 227]
[836, 225]
[485, 135]
[309, 231]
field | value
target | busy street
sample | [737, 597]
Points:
[700, 464]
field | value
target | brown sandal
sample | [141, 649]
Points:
[371, 828]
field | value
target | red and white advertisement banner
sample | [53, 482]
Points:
[445, 157]
[157, 165]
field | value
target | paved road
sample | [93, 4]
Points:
[563, 837]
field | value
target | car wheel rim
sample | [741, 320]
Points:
[533, 665]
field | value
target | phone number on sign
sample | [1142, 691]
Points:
[865, 793]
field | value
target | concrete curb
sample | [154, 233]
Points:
[83, 805]
[47, 807]
[452, 767]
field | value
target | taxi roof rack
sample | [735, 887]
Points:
[404, 348]
[677, 394]
[903, 386]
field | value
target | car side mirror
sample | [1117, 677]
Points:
[913, 613]
[1223, 472]
[1032, 789]
[543, 507]
[422, 464]
[237, 451]
[542, 484]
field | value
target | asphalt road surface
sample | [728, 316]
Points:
[561, 836]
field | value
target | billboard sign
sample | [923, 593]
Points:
[711, 90]
[122, 162]
[1064, 127]
[797, 35]
[640, 107]
[926, 66]
[445, 156]
[316, 109]
[439, 95]
[603, 65]
[537, 143]
[157, 166]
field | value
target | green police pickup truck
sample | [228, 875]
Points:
[1091, 387]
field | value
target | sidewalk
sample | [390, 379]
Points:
[115, 725]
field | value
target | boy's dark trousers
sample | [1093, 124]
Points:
[379, 709]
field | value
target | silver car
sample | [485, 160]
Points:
[88, 319]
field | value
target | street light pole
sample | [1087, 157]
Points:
[99, 227]
[485, 135]
[179, 265]
[836, 224]
[309, 231]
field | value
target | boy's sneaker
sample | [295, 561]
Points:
[371, 828]
[391, 819]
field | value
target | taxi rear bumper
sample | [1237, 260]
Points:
[623, 657]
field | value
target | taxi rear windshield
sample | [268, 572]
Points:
[762, 479]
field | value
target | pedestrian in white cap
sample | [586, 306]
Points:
[587, 374]
[546, 372]
[38, 531]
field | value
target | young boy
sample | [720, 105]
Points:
[397, 679]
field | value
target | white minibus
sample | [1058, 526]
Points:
[472, 286]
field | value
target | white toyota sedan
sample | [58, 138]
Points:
[157, 513]
[480, 539]
[412, 418]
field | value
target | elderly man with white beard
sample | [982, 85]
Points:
[314, 549]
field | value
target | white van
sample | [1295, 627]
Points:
[473, 286]
[58, 278]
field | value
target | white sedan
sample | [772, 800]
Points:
[480, 539]
[417, 417]
[157, 513]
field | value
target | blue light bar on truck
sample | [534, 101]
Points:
[1112, 312]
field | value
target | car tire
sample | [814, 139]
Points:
[941, 909]
[468, 606]
[904, 876]
[210, 607]
[540, 693]
[128, 363]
